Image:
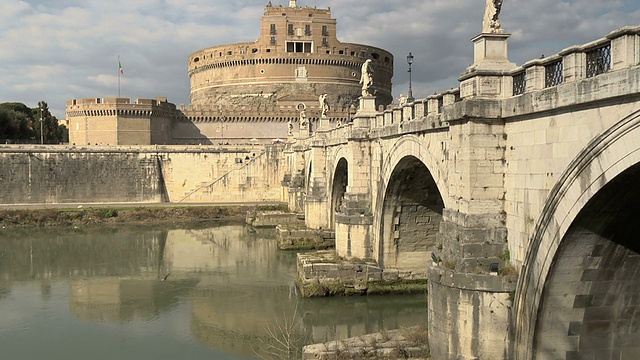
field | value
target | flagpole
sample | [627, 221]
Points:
[118, 75]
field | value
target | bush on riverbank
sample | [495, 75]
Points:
[124, 215]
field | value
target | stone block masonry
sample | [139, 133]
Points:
[38, 176]
[140, 174]
[322, 273]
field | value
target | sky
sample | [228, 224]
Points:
[57, 50]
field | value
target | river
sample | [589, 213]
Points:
[101, 293]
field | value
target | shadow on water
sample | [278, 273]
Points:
[233, 290]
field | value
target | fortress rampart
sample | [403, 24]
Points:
[119, 121]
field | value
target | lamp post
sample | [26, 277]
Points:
[221, 127]
[41, 127]
[410, 61]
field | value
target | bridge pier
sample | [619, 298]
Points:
[316, 205]
[469, 307]
[353, 218]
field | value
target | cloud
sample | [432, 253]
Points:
[56, 50]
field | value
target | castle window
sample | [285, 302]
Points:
[196, 59]
[307, 30]
[299, 46]
[229, 53]
[290, 29]
[353, 53]
[341, 52]
[325, 42]
[273, 29]
[375, 56]
[386, 59]
[325, 32]
[273, 40]
[254, 50]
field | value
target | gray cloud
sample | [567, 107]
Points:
[57, 50]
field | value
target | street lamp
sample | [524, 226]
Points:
[221, 126]
[410, 61]
[41, 132]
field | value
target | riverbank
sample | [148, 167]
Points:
[113, 215]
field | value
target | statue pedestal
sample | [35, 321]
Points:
[367, 105]
[490, 47]
[324, 123]
[304, 132]
[489, 76]
[366, 112]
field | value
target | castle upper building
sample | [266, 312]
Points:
[297, 53]
[251, 90]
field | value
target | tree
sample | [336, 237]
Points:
[51, 131]
[14, 122]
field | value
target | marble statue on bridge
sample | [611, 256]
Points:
[366, 79]
[324, 105]
[303, 119]
[491, 22]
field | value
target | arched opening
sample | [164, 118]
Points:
[338, 188]
[411, 216]
[590, 306]
[308, 183]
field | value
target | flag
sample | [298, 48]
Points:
[120, 67]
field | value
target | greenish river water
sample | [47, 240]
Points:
[98, 294]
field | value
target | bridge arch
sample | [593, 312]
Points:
[409, 206]
[338, 181]
[580, 279]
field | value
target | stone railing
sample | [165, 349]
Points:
[339, 134]
[618, 50]
[428, 109]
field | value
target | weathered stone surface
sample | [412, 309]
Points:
[274, 218]
[411, 342]
[322, 273]
[146, 174]
[294, 238]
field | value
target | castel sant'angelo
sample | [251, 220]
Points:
[247, 92]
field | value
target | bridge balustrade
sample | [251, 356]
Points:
[618, 50]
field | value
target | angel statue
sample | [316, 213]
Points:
[324, 105]
[366, 79]
[491, 23]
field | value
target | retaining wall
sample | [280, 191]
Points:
[143, 174]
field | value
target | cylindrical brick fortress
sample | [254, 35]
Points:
[297, 54]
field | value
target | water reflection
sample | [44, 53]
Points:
[226, 286]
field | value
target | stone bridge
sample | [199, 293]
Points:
[523, 185]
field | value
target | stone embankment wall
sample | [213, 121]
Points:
[141, 174]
